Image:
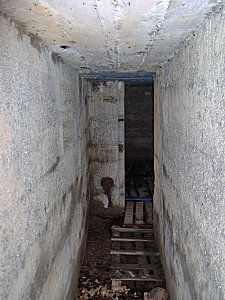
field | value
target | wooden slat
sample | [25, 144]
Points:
[131, 239]
[139, 213]
[148, 212]
[133, 252]
[116, 233]
[132, 229]
[136, 266]
[116, 258]
[138, 279]
[139, 226]
[128, 246]
[135, 260]
[129, 214]
[142, 259]
[132, 247]
[123, 277]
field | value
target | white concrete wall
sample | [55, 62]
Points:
[189, 196]
[43, 170]
[106, 139]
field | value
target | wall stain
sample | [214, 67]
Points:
[45, 267]
[35, 41]
[121, 148]
[20, 29]
[110, 99]
[165, 171]
[95, 85]
[188, 276]
[64, 200]
[56, 58]
[53, 167]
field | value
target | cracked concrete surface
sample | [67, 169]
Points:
[116, 35]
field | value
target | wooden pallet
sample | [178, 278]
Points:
[135, 259]
[138, 213]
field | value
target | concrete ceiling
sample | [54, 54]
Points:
[110, 35]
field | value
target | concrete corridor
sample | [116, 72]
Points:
[64, 71]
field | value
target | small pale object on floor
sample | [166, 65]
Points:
[157, 294]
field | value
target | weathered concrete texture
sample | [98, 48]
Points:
[113, 35]
[189, 198]
[139, 123]
[43, 166]
[106, 141]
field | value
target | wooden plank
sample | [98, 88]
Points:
[139, 213]
[132, 229]
[148, 212]
[139, 226]
[137, 275]
[129, 213]
[116, 258]
[142, 260]
[128, 246]
[138, 278]
[137, 266]
[131, 239]
[115, 234]
[148, 206]
[133, 252]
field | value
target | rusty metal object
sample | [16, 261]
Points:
[107, 183]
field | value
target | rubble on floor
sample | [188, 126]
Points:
[157, 294]
[95, 281]
[139, 179]
[101, 262]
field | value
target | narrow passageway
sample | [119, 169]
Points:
[135, 263]
[112, 146]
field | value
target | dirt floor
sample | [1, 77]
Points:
[94, 281]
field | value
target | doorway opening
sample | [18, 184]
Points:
[139, 142]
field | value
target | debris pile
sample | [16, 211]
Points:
[95, 280]
[139, 180]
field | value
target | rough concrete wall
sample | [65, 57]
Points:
[42, 170]
[189, 198]
[139, 123]
[106, 141]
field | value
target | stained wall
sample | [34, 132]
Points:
[189, 197]
[106, 141]
[43, 169]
